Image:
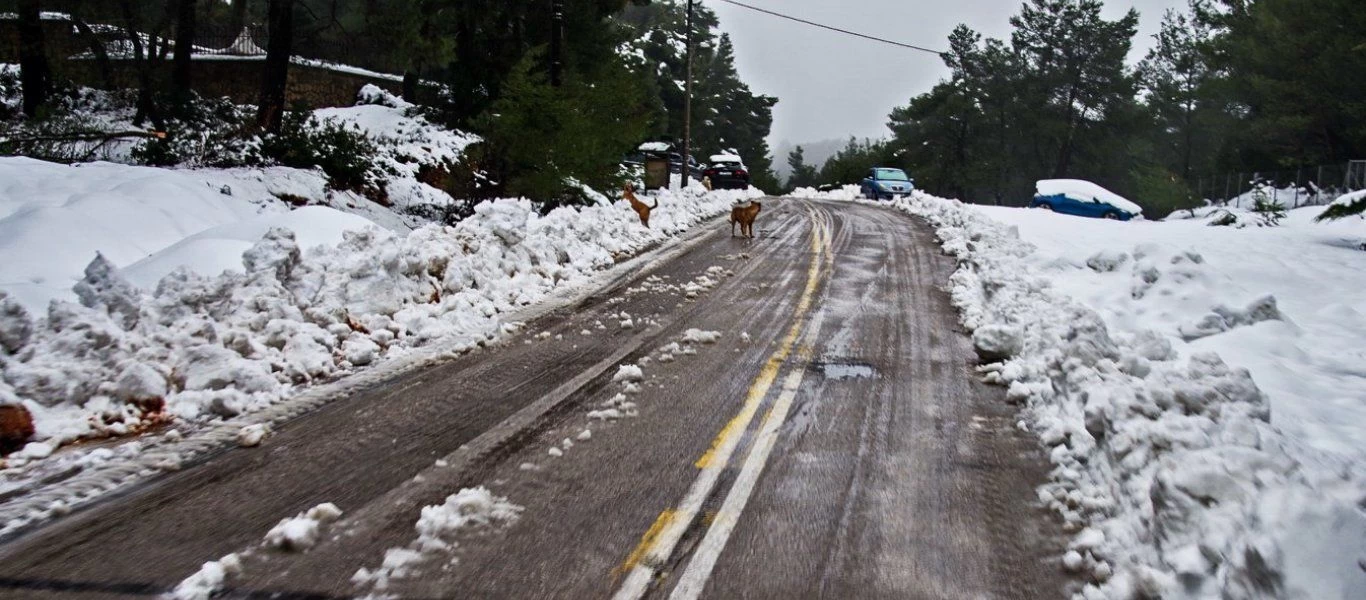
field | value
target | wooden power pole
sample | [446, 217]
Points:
[687, 99]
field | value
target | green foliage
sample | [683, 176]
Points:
[803, 175]
[1056, 101]
[541, 139]
[1159, 191]
[1288, 64]
[851, 164]
[207, 133]
[1337, 211]
[1269, 210]
[726, 114]
[347, 155]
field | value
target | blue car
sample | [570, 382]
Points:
[1082, 198]
[886, 184]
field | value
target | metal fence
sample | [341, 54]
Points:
[1305, 186]
[228, 41]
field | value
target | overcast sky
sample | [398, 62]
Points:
[830, 85]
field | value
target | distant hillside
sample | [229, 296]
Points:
[816, 154]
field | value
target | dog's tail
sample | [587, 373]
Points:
[656, 204]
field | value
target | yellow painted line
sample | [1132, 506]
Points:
[666, 517]
[657, 544]
[694, 578]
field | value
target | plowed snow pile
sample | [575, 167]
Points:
[1181, 473]
[208, 344]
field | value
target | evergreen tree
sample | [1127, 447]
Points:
[726, 114]
[803, 175]
[539, 140]
[1176, 78]
[1288, 69]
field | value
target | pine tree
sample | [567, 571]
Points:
[1177, 78]
[803, 175]
[1077, 73]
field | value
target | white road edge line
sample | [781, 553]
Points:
[694, 578]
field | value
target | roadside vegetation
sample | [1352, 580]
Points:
[1231, 85]
[549, 125]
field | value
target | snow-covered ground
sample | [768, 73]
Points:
[212, 343]
[135, 297]
[1201, 391]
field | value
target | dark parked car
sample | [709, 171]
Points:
[886, 184]
[676, 165]
[1082, 198]
[727, 172]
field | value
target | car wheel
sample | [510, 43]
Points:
[1046, 206]
[1112, 215]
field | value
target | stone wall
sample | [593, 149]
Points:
[59, 41]
[238, 79]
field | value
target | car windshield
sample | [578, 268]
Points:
[892, 174]
[725, 165]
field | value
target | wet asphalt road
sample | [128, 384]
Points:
[833, 443]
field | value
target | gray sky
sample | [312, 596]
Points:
[830, 85]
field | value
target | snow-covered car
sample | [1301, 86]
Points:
[886, 184]
[726, 172]
[1082, 198]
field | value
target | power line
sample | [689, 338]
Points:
[831, 28]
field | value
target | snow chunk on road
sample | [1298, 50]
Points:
[628, 373]
[302, 532]
[438, 527]
[698, 336]
[208, 580]
[470, 507]
[252, 435]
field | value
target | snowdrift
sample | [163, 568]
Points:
[201, 347]
[1166, 464]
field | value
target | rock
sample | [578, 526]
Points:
[15, 325]
[16, 427]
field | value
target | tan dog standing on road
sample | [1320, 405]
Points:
[744, 215]
[642, 209]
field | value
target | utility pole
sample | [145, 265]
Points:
[556, 41]
[687, 100]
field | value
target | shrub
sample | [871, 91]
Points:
[205, 132]
[1269, 210]
[346, 155]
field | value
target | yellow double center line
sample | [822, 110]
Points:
[661, 538]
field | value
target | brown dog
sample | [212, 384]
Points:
[642, 209]
[744, 215]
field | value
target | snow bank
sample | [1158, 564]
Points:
[199, 348]
[1181, 477]
[848, 192]
[406, 142]
[1085, 191]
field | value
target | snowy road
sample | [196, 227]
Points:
[832, 442]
